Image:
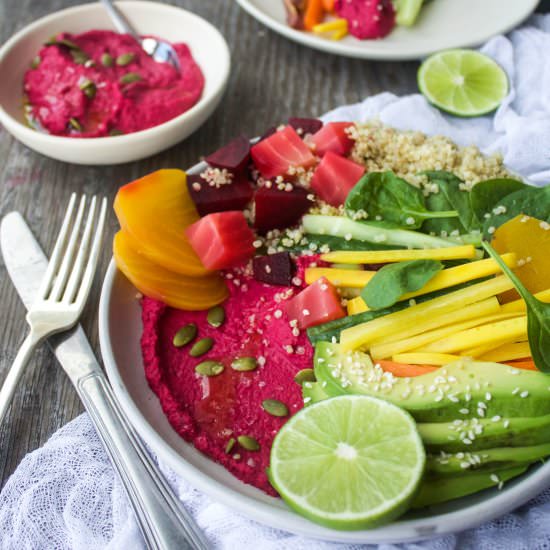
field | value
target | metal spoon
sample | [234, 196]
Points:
[160, 51]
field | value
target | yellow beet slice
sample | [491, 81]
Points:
[507, 352]
[423, 358]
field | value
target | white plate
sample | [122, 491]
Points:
[442, 24]
[120, 330]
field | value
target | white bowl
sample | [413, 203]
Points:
[207, 45]
[120, 329]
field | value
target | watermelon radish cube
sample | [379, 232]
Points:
[274, 269]
[234, 156]
[305, 125]
[277, 208]
[332, 137]
[222, 239]
[316, 304]
[335, 177]
[278, 153]
[209, 198]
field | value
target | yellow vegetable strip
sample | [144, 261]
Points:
[508, 352]
[388, 256]
[338, 35]
[353, 278]
[497, 332]
[478, 351]
[335, 25]
[357, 305]
[519, 305]
[421, 317]
[420, 358]
[387, 349]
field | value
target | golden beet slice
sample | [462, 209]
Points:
[529, 238]
[154, 212]
[174, 289]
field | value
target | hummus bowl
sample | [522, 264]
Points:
[120, 330]
[207, 46]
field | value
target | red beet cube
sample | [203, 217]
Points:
[234, 156]
[274, 269]
[278, 209]
[306, 125]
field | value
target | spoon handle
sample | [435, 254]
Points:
[119, 20]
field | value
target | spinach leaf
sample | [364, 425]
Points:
[437, 202]
[394, 280]
[450, 186]
[383, 195]
[531, 201]
[486, 195]
[538, 316]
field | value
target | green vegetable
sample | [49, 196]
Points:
[339, 226]
[385, 196]
[538, 316]
[531, 201]
[407, 11]
[335, 243]
[394, 280]
[485, 195]
[437, 202]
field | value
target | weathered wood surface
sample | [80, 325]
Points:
[271, 79]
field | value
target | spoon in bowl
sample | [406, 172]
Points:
[159, 50]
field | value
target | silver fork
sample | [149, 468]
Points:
[164, 523]
[64, 289]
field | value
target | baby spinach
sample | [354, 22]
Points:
[530, 201]
[538, 316]
[485, 195]
[384, 196]
[436, 202]
[394, 280]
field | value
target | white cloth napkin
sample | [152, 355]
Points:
[65, 495]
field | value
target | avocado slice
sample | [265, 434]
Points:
[463, 389]
[437, 490]
[313, 392]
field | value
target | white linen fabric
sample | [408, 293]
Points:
[66, 495]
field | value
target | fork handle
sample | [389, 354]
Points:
[165, 524]
[16, 370]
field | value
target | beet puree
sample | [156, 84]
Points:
[62, 102]
[208, 411]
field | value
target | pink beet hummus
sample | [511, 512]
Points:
[209, 411]
[101, 83]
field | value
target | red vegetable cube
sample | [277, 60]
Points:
[277, 209]
[233, 156]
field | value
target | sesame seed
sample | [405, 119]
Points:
[277, 314]
[506, 423]
[494, 478]
[524, 394]
[464, 411]
[307, 399]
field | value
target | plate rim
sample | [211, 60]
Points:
[343, 49]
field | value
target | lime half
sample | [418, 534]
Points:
[350, 462]
[463, 82]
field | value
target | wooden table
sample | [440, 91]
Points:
[272, 79]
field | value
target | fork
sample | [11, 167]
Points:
[164, 523]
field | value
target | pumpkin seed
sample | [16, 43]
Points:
[79, 57]
[305, 375]
[204, 345]
[248, 443]
[230, 445]
[274, 407]
[35, 62]
[209, 368]
[69, 43]
[215, 316]
[185, 335]
[116, 132]
[128, 78]
[75, 125]
[125, 59]
[244, 364]
[88, 88]
[107, 60]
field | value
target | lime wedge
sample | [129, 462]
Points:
[463, 82]
[350, 462]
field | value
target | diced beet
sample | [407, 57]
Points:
[335, 177]
[332, 137]
[307, 125]
[234, 156]
[278, 209]
[274, 269]
[277, 154]
[232, 196]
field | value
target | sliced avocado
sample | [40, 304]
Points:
[488, 459]
[434, 491]
[313, 392]
[460, 390]
[488, 433]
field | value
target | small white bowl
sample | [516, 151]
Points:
[207, 45]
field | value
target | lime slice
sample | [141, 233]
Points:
[350, 462]
[463, 82]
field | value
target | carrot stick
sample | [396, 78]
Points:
[403, 370]
[314, 14]
[328, 6]
[526, 364]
